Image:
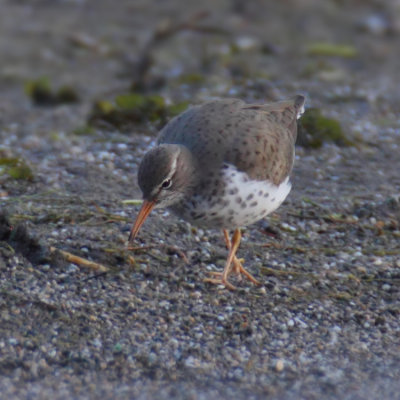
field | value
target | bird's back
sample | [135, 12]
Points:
[255, 138]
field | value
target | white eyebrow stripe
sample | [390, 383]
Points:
[173, 167]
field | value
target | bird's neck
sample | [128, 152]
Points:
[189, 169]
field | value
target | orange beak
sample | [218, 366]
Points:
[145, 210]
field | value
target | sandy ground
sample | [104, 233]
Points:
[324, 325]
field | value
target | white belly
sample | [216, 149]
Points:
[242, 202]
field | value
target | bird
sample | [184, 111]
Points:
[224, 164]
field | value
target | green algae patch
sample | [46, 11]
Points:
[331, 50]
[42, 93]
[315, 129]
[177, 108]
[191, 79]
[15, 168]
[66, 94]
[131, 101]
[131, 109]
[84, 130]
[39, 91]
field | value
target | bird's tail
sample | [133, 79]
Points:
[298, 102]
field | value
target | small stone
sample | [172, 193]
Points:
[196, 295]
[386, 287]
[378, 261]
[279, 366]
[192, 362]
[263, 290]
[375, 23]
[287, 227]
[72, 268]
[246, 43]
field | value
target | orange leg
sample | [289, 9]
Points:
[229, 246]
[232, 259]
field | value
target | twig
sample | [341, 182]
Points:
[274, 245]
[163, 32]
[132, 202]
[168, 247]
[81, 262]
[140, 248]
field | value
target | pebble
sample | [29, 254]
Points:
[378, 261]
[72, 268]
[279, 365]
[376, 24]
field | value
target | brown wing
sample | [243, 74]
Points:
[257, 139]
[266, 151]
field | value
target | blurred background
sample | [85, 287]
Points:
[341, 53]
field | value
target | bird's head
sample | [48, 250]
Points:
[166, 175]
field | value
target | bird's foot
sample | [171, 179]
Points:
[232, 263]
[219, 280]
[238, 269]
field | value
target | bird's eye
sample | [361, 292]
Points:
[166, 184]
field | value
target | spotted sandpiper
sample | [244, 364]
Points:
[224, 164]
